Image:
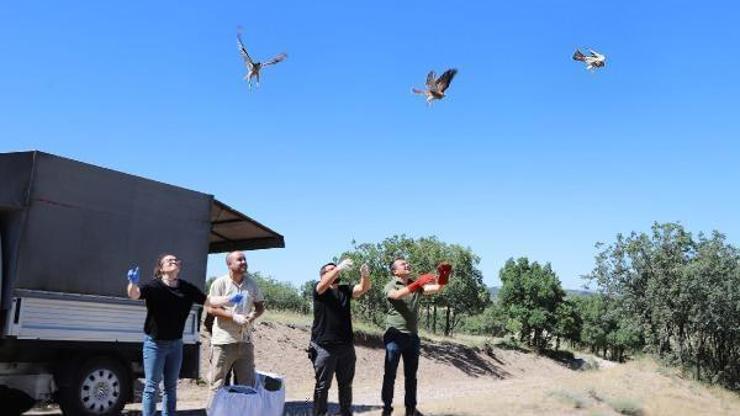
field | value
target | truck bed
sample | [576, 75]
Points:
[53, 316]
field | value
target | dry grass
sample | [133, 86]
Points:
[636, 388]
[640, 387]
[576, 401]
[287, 318]
[536, 386]
[626, 407]
[457, 380]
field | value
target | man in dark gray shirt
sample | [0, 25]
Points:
[332, 347]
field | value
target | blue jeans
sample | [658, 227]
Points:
[397, 345]
[162, 359]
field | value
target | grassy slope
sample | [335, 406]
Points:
[641, 387]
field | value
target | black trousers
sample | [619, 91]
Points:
[327, 361]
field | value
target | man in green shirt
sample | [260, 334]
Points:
[401, 337]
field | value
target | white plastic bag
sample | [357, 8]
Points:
[236, 400]
[271, 388]
[266, 398]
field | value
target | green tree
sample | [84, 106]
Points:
[307, 292]
[594, 327]
[280, 295]
[676, 294]
[531, 293]
[568, 323]
[491, 322]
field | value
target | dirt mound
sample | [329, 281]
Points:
[445, 367]
[459, 380]
[453, 378]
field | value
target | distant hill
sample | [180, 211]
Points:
[494, 290]
[579, 292]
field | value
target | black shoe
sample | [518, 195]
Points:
[411, 411]
[387, 412]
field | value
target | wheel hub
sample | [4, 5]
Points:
[100, 390]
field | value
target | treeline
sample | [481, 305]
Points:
[676, 295]
[533, 306]
[666, 292]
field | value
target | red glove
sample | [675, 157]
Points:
[445, 270]
[424, 279]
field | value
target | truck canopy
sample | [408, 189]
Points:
[71, 227]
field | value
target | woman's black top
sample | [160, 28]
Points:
[167, 308]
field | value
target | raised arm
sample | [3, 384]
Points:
[328, 278]
[418, 284]
[364, 285]
[445, 270]
[432, 289]
[399, 293]
[132, 290]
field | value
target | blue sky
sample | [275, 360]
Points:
[530, 154]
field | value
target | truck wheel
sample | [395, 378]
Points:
[99, 387]
[15, 402]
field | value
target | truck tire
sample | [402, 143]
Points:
[98, 387]
[15, 402]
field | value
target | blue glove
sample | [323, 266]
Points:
[236, 298]
[134, 275]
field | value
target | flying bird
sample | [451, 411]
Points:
[593, 60]
[436, 87]
[253, 68]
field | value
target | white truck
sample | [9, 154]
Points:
[68, 233]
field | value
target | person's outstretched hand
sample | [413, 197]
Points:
[345, 264]
[364, 270]
[134, 275]
[445, 270]
[239, 319]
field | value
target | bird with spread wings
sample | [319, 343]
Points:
[436, 87]
[253, 68]
[592, 60]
